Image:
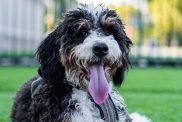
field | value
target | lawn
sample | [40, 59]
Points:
[154, 92]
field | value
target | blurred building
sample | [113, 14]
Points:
[21, 25]
[24, 24]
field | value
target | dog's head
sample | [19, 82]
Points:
[89, 48]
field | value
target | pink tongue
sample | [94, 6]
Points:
[98, 85]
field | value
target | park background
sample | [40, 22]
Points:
[152, 86]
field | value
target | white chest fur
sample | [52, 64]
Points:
[86, 111]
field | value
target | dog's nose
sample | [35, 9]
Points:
[100, 49]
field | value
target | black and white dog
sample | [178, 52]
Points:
[78, 61]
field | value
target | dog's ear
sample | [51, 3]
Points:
[112, 23]
[51, 68]
[118, 77]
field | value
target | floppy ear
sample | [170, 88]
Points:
[119, 74]
[111, 22]
[51, 69]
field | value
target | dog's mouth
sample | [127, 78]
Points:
[98, 86]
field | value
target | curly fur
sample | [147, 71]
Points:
[63, 95]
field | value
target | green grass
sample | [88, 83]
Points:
[154, 92]
[11, 79]
[154, 80]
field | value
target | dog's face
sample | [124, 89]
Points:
[90, 47]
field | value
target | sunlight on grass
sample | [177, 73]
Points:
[159, 107]
[153, 80]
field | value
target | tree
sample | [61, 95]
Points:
[166, 19]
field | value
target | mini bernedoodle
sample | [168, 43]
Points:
[79, 61]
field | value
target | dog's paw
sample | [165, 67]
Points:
[136, 117]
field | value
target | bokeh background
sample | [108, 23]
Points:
[152, 87]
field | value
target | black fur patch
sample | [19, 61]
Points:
[50, 102]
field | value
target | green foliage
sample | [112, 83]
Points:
[6, 54]
[167, 16]
[154, 92]
[159, 19]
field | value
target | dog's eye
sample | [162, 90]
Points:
[82, 33]
[111, 31]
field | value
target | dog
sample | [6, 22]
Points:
[79, 60]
